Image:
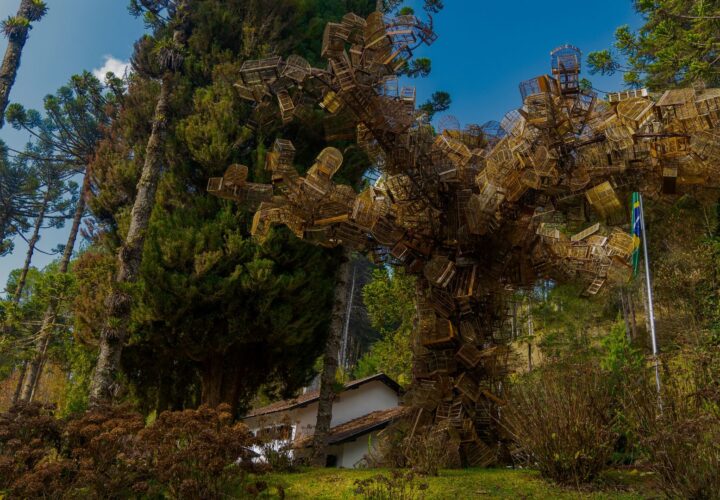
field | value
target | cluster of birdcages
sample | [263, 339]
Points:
[472, 211]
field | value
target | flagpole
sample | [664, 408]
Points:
[651, 310]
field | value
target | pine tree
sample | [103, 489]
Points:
[77, 116]
[676, 46]
[114, 335]
[16, 29]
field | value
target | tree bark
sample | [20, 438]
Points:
[220, 382]
[115, 332]
[18, 387]
[31, 248]
[45, 333]
[330, 363]
[11, 61]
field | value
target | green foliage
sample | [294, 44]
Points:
[79, 365]
[389, 298]
[679, 433]
[439, 101]
[14, 26]
[216, 315]
[676, 45]
[17, 194]
[398, 485]
[330, 484]
[419, 67]
[619, 354]
[563, 320]
[21, 321]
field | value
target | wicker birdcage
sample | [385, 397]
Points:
[286, 105]
[296, 68]
[334, 38]
[626, 94]
[604, 200]
[540, 85]
[619, 272]
[439, 271]
[469, 355]
[260, 71]
[331, 102]
[328, 162]
[620, 244]
[513, 123]
[565, 62]
[635, 112]
[706, 145]
[457, 152]
[579, 178]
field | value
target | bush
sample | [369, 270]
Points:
[563, 418]
[681, 434]
[29, 439]
[429, 451]
[108, 452]
[196, 453]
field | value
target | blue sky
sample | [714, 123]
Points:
[483, 51]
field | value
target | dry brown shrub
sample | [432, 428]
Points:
[428, 451]
[680, 432]
[196, 453]
[563, 420]
[103, 442]
[29, 435]
[108, 452]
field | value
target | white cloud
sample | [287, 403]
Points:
[114, 65]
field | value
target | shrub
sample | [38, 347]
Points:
[388, 450]
[429, 451]
[398, 485]
[29, 438]
[562, 419]
[196, 453]
[680, 434]
[104, 446]
[108, 452]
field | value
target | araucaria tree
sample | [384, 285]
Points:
[77, 116]
[16, 29]
[677, 45]
[166, 61]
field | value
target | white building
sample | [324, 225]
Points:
[360, 411]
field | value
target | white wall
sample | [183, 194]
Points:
[347, 406]
[354, 451]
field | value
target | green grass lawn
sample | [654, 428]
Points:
[458, 484]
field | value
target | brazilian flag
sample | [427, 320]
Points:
[636, 229]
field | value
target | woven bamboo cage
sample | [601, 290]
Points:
[565, 63]
[603, 199]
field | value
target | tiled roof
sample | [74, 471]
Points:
[357, 427]
[312, 396]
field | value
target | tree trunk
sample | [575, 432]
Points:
[11, 61]
[219, 379]
[31, 248]
[21, 286]
[330, 363]
[115, 332]
[45, 333]
[18, 387]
